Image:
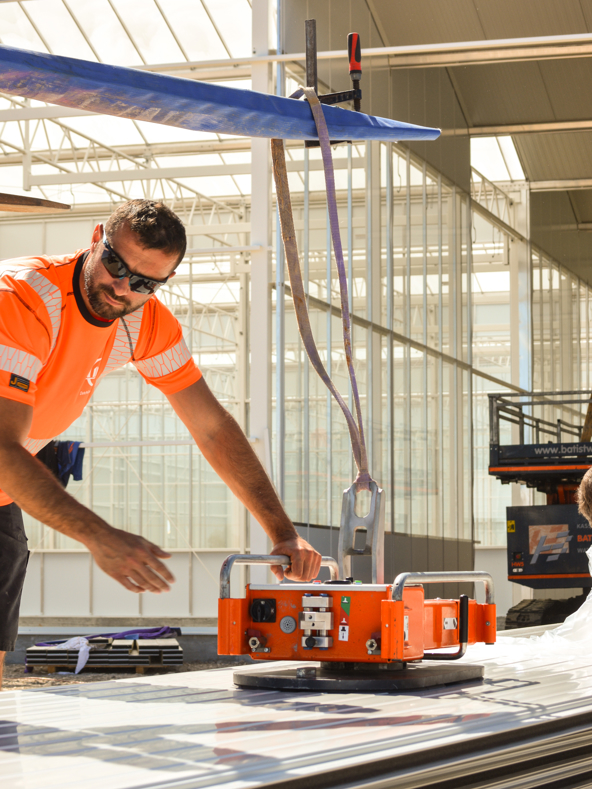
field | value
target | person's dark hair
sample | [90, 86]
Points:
[153, 222]
[584, 496]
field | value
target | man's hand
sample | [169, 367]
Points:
[131, 560]
[225, 447]
[305, 561]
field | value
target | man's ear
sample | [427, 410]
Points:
[97, 235]
[172, 275]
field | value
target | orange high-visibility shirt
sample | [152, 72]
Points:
[53, 350]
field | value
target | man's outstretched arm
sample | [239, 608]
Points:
[227, 450]
[129, 559]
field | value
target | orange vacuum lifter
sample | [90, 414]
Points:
[354, 636]
[350, 636]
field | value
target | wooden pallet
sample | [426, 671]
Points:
[107, 667]
[111, 654]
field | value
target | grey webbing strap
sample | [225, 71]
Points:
[355, 426]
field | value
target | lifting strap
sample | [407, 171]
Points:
[354, 423]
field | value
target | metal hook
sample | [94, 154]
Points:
[372, 523]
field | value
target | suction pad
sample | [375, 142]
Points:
[356, 677]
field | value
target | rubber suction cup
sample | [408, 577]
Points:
[356, 677]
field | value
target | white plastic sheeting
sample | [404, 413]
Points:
[572, 638]
[196, 730]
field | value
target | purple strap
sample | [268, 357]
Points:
[138, 632]
[355, 425]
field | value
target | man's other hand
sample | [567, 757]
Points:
[305, 561]
[131, 560]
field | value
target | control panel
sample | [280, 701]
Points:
[344, 622]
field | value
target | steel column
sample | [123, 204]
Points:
[260, 315]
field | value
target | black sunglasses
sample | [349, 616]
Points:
[118, 270]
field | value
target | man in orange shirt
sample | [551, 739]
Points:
[64, 323]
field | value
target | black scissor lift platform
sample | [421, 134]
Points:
[549, 455]
[535, 440]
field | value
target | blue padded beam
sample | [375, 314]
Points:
[189, 104]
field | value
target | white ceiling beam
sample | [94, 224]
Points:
[141, 150]
[156, 173]
[237, 144]
[35, 27]
[519, 128]
[171, 30]
[580, 226]
[41, 113]
[561, 185]
[209, 251]
[216, 28]
[148, 174]
[378, 22]
[218, 228]
[460, 53]
[223, 228]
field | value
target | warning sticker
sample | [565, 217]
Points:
[344, 619]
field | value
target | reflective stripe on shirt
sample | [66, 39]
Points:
[166, 362]
[35, 445]
[49, 293]
[19, 362]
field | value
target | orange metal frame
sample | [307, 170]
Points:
[496, 469]
[369, 614]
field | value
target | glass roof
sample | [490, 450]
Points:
[127, 33]
[496, 158]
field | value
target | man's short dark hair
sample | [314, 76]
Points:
[153, 222]
[584, 496]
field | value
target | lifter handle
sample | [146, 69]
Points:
[470, 576]
[253, 558]
[463, 634]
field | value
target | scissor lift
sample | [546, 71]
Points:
[550, 451]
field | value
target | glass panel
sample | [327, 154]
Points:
[416, 405]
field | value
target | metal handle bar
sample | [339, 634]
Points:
[443, 578]
[251, 558]
[463, 634]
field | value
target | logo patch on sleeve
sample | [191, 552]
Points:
[18, 382]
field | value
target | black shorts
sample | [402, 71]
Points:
[14, 555]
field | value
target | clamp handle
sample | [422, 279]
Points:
[250, 558]
[354, 52]
[452, 577]
[463, 634]
[472, 576]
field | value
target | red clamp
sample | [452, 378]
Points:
[354, 51]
